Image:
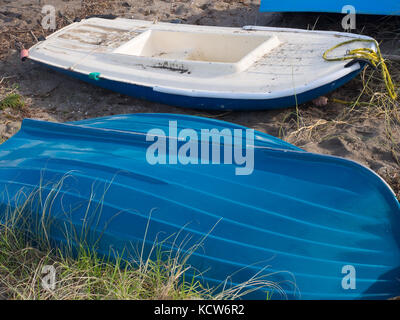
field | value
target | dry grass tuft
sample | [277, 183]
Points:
[12, 100]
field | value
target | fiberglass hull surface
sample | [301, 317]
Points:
[202, 67]
[298, 219]
[385, 7]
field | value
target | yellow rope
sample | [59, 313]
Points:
[375, 57]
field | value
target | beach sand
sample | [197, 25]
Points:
[367, 134]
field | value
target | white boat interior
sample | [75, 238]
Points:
[203, 61]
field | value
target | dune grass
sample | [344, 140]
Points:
[83, 274]
[87, 277]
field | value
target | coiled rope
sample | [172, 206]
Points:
[374, 57]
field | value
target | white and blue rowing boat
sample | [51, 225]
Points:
[202, 67]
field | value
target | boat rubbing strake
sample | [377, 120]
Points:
[200, 66]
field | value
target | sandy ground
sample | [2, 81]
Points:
[369, 135]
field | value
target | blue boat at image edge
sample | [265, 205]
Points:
[384, 7]
[299, 220]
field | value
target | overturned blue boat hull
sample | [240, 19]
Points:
[299, 220]
[384, 7]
